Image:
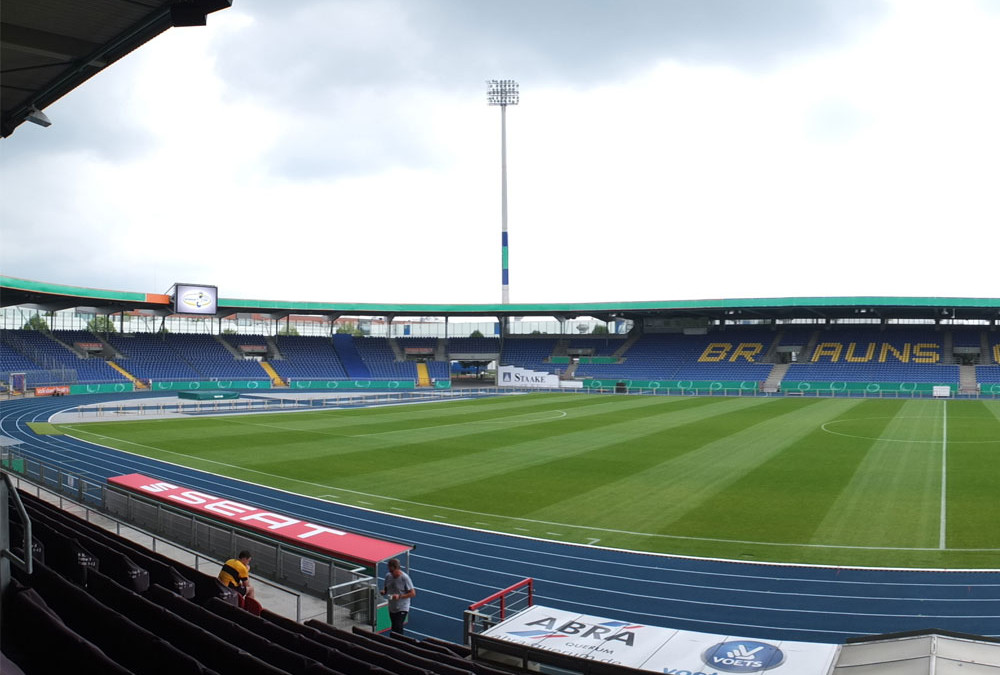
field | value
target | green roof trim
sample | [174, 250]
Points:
[71, 291]
[543, 309]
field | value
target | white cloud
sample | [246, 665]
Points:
[344, 151]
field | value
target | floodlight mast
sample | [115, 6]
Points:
[503, 93]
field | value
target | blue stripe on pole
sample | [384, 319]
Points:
[503, 238]
[505, 276]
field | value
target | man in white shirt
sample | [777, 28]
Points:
[400, 589]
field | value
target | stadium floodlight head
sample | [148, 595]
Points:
[501, 92]
[38, 117]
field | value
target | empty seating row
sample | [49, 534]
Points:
[738, 353]
[99, 603]
[304, 357]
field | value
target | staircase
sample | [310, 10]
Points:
[967, 383]
[986, 354]
[274, 354]
[348, 354]
[807, 353]
[774, 378]
[947, 347]
[139, 384]
[396, 349]
[631, 340]
[423, 376]
[276, 380]
[229, 348]
[773, 349]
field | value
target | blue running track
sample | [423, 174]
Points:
[453, 567]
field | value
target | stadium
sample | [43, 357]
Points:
[789, 485]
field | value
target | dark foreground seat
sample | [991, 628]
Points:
[38, 641]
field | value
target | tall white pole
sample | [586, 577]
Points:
[505, 251]
[503, 93]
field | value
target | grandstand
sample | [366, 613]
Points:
[92, 601]
[793, 345]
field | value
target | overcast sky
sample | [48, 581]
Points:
[343, 151]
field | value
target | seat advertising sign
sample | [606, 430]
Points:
[660, 650]
[337, 543]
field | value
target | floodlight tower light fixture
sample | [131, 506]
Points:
[503, 93]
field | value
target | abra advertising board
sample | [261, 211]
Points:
[510, 376]
[660, 650]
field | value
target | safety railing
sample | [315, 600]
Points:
[503, 604]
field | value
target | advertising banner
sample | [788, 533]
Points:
[512, 376]
[352, 384]
[667, 386]
[56, 390]
[660, 650]
[115, 388]
[337, 543]
[209, 385]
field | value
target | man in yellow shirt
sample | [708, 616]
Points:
[236, 574]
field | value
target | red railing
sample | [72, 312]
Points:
[484, 614]
[502, 597]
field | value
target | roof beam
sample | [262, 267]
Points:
[59, 48]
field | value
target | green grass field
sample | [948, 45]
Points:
[833, 481]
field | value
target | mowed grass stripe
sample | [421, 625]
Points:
[535, 472]
[307, 435]
[445, 453]
[322, 448]
[974, 475]
[670, 472]
[894, 496]
[763, 473]
[807, 478]
[691, 475]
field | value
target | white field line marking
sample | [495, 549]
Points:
[826, 426]
[532, 521]
[944, 479]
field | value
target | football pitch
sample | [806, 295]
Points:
[900, 483]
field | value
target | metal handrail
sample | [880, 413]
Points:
[154, 538]
[25, 563]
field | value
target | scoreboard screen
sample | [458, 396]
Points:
[195, 299]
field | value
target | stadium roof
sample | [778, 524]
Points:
[50, 47]
[53, 297]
